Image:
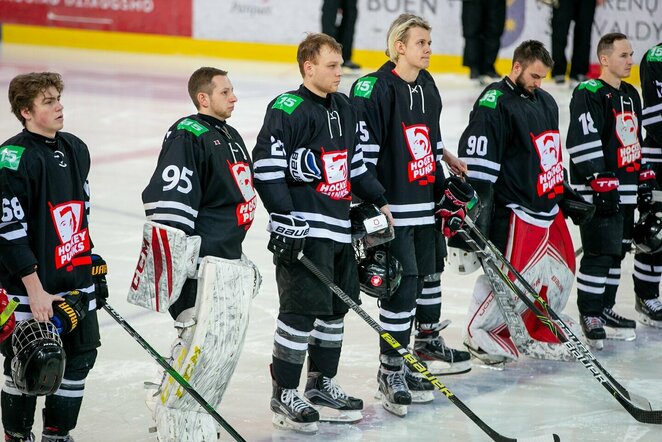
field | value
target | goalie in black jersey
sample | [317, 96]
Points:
[307, 164]
[604, 142]
[399, 107]
[45, 253]
[648, 266]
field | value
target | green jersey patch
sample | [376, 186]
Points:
[287, 103]
[590, 85]
[10, 156]
[490, 98]
[192, 126]
[654, 54]
[364, 86]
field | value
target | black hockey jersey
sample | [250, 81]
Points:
[650, 71]
[513, 142]
[45, 208]
[326, 126]
[400, 138]
[203, 185]
[604, 135]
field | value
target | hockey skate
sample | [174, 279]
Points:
[421, 389]
[617, 327]
[291, 412]
[330, 401]
[650, 311]
[430, 347]
[55, 438]
[593, 328]
[483, 359]
[393, 390]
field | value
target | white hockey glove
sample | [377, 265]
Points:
[288, 236]
[303, 166]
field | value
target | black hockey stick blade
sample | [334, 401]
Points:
[638, 406]
[172, 372]
[409, 358]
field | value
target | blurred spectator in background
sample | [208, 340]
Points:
[482, 26]
[338, 20]
[564, 12]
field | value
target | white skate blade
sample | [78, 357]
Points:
[421, 396]
[438, 368]
[282, 422]
[620, 334]
[328, 414]
[395, 409]
[597, 344]
[644, 319]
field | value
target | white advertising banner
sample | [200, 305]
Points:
[287, 21]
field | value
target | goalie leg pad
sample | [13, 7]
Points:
[206, 353]
[176, 425]
[167, 257]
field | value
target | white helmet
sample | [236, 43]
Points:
[462, 262]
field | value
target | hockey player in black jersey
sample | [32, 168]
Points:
[604, 142]
[647, 267]
[307, 165]
[200, 195]
[399, 108]
[45, 249]
[512, 147]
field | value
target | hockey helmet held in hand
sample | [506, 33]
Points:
[38, 363]
[377, 278]
[647, 233]
[461, 261]
[370, 225]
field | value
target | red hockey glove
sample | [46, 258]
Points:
[452, 208]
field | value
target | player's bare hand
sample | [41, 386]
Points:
[387, 212]
[41, 302]
[456, 165]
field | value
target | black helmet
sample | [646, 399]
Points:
[647, 233]
[369, 225]
[373, 278]
[38, 364]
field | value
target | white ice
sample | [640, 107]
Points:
[121, 105]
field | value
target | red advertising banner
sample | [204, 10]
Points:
[165, 17]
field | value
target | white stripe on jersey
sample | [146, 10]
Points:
[586, 157]
[652, 120]
[171, 205]
[170, 217]
[584, 146]
[482, 176]
[268, 176]
[270, 162]
[651, 109]
[398, 208]
[318, 232]
[422, 221]
[369, 148]
[310, 216]
[471, 161]
[15, 234]
[540, 219]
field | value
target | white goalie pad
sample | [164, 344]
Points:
[167, 258]
[208, 347]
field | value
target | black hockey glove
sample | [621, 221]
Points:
[605, 193]
[303, 166]
[68, 313]
[453, 206]
[99, 272]
[647, 185]
[288, 236]
[574, 205]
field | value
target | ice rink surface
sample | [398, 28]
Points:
[121, 105]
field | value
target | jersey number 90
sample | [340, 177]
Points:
[477, 145]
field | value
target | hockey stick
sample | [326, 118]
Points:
[406, 355]
[642, 411]
[172, 372]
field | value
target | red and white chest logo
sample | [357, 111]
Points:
[550, 177]
[336, 175]
[67, 219]
[627, 130]
[422, 166]
[241, 172]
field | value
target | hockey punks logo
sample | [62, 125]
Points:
[550, 177]
[336, 175]
[243, 177]
[68, 219]
[422, 167]
[627, 131]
